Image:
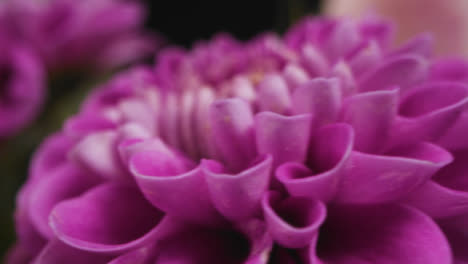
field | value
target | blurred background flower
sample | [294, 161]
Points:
[81, 35]
[22, 86]
[446, 20]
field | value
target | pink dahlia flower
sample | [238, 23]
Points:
[21, 86]
[76, 34]
[322, 147]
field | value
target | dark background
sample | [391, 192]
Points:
[181, 23]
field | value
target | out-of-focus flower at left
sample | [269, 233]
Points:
[85, 34]
[21, 86]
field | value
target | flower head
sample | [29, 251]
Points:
[21, 86]
[77, 34]
[325, 146]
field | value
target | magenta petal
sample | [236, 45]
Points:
[51, 155]
[437, 200]
[378, 179]
[203, 132]
[447, 193]
[365, 58]
[57, 252]
[320, 97]
[127, 148]
[170, 120]
[273, 94]
[293, 222]
[453, 137]
[314, 61]
[286, 138]
[98, 153]
[378, 29]
[419, 45]
[427, 112]
[371, 114]
[294, 75]
[402, 71]
[138, 111]
[331, 149]
[457, 235]
[237, 197]
[450, 70]
[28, 236]
[79, 126]
[249, 245]
[23, 90]
[232, 123]
[89, 221]
[343, 73]
[242, 88]
[172, 184]
[143, 255]
[66, 182]
[342, 40]
[380, 234]
[18, 254]
[187, 124]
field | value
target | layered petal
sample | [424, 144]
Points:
[446, 194]
[233, 124]
[273, 95]
[455, 230]
[342, 40]
[380, 234]
[18, 254]
[294, 222]
[420, 45]
[97, 152]
[80, 126]
[174, 184]
[368, 55]
[442, 104]
[52, 154]
[319, 97]
[64, 183]
[57, 252]
[386, 178]
[450, 70]
[143, 255]
[249, 244]
[286, 138]
[453, 138]
[329, 154]
[313, 61]
[403, 72]
[89, 221]
[372, 115]
[237, 196]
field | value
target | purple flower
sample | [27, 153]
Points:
[326, 146]
[77, 34]
[21, 86]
